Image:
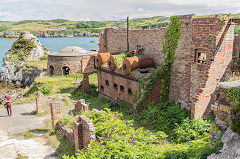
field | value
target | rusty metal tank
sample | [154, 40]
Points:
[129, 64]
[145, 62]
[111, 63]
[102, 58]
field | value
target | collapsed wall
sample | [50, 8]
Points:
[212, 38]
[203, 54]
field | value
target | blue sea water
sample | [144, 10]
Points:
[53, 44]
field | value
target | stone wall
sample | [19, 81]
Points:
[84, 85]
[84, 133]
[67, 132]
[40, 102]
[116, 86]
[81, 105]
[206, 76]
[58, 62]
[181, 67]
[77, 64]
[55, 112]
[192, 82]
[113, 41]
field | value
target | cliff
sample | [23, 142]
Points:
[26, 48]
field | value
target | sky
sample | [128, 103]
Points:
[16, 10]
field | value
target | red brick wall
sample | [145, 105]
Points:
[120, 80]
[113, 40]
[40, 102]
[83, 64]
[205, 77]
[55, 112]
[181, 67]
[84, 133]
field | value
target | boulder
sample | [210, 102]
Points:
[231, 147]
[26, 48]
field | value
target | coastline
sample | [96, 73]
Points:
[16, 35]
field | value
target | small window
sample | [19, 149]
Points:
[102, 88]
[200, 57]
[129, 91]
[107, 83]
[121, 88]
[115, 86]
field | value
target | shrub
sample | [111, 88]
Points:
[234, 95]
[163, 117]
[190, 130]
[45, 89]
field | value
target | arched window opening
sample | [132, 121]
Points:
[115, 86]
[107, 83]
[129, 91]
[121, 88]
[102, 88]
[51, 70]
[66, 70]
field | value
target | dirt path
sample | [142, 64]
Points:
[12, 146]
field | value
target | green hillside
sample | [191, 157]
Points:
[72, 27]
[46, 26]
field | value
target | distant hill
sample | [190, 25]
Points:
[67, 27]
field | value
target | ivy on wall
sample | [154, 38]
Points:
[234, 95]
[170, 42]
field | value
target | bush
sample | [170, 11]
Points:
[116, 138]
[45, 89]
[234, 95]
[190, 130]
[163, 117]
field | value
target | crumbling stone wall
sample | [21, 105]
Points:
[179, 90]
[55, 112]
[207, 35]
[81, 105]
[40, 102]
[191, 82]
[84, 85]
[84, 133]
[113, 40]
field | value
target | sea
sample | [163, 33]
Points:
[53, 44]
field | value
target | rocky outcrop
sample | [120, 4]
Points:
[231, 147]
[26, 48]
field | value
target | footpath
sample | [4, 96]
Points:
[12, 146]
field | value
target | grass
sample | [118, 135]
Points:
[41, 65]
[21, 157]
[27, 134]
[234, 79]
[39, 114]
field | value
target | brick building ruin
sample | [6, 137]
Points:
[71, 60]
[204, 56]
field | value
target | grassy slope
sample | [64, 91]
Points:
[39, 26]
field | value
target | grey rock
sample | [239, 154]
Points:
[18, 75]
[231, 147]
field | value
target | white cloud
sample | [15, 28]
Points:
[16, 10]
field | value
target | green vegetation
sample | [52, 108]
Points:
[169, 46]
[21, 157]
[20, 50]
[39, 27]
[118, 60]
[117, 138]
[234, 95]
[28, 134]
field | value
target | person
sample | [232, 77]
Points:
[8, 105]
